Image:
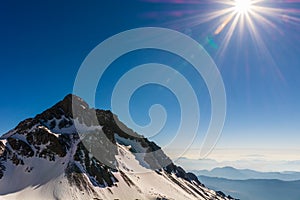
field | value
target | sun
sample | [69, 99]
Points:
[242, 6]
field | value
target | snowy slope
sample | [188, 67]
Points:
[44, 158]
[55, 185]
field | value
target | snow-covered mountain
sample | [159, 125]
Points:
[45, 157]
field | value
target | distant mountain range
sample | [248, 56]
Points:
[256, 161]
[244, 174]
[55, 156]
[255, 189]
[248, 184]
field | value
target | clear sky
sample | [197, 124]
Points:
[43, 44]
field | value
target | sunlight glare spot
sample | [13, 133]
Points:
[242, 6]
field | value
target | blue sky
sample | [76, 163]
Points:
[44, 43]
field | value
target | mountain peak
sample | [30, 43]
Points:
[73, 99]
[70, 103]
[68, 109]
[90, 157]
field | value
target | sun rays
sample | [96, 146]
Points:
[227, 18]
[243, 30]
[240, 16]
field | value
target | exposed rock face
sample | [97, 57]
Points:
[2, 158]
[52, 136]
[101, 173]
